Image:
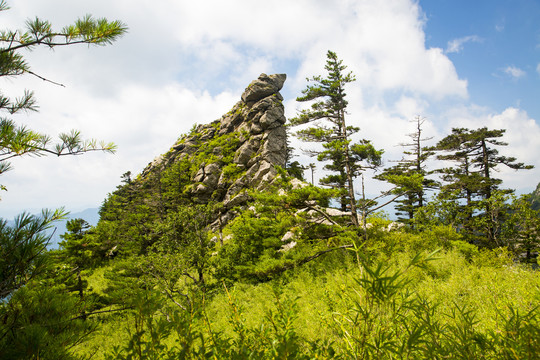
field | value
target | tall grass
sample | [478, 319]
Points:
[410, 305]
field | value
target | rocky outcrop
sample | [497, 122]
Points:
[239, 151]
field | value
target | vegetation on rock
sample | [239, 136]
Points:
[217, 250]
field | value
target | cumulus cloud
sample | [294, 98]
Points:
[456, 45]
[522, 135]
[143, 122]
[384, 44]
[182, 63]
[385, 41]
[514, 72]
[410, 107]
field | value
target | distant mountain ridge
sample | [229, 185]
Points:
[91, 216]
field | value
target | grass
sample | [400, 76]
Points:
[324, 297]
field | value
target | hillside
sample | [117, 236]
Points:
[216, 251]
[218, 164]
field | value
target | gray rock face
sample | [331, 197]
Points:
[262, 87]
[273, 143]
[246, 152]
[253, 128]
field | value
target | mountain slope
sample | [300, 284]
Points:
[215, 163]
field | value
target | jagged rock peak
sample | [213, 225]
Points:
[238, 151]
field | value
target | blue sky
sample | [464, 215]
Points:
[499, 51]
[456, 63]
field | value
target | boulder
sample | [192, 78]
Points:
[273, 117]
[274, 142]
[262, 87]
[239, 199]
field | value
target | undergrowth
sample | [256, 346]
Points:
[408, 306]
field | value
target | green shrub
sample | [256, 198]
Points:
[469, 251]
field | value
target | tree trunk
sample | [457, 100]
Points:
[81, 292]
[491, 233]
[348, 171]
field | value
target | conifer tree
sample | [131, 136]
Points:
[78, 253]
[23, 245]
[471, 179]
[17, 140]
[525, 226]
[347, 160]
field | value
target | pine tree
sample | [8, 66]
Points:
[525, 224]
[347, 160]
[471, 179]
[78, 253]
[23, 249]
[17, 140]
[46, 327]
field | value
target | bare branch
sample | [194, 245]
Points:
[326, 216]
[44, 79]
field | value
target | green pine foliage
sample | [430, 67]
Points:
[23, 249]
[18, 140]
[42, 321]
[41, 316]
[166, 274]
[344, 158]
[471, 180]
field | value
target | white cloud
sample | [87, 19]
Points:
[538, 68]
[410, 107]
[384, 40]
[522, 135]
[514, 72]
[456, 45]
[184, 62]
[143, 121]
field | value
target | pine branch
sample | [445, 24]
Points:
[44, 79]
[313, 257]
[325, 215]
[100, 312]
